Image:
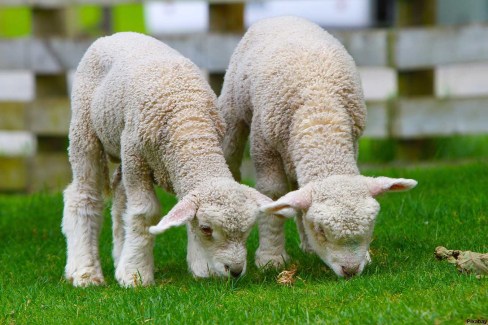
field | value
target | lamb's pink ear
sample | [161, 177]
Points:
[379, 185]
[263, 201]
[288, 205]
[181, 213]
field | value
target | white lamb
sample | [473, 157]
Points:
[141, 103]
[298, 91]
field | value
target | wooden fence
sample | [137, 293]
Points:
[413, 52]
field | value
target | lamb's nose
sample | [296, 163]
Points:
[235, 271]
[350, 271]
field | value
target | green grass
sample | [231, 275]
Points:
[441, 148]
[404, 284]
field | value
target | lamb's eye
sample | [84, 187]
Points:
[206, 230]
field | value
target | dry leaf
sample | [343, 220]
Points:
[287, 277]
[465, 261]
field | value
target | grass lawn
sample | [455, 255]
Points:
[404, 284]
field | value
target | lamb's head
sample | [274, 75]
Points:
[339, 214]
[219, 217]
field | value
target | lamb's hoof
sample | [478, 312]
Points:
[131, 279]
[266, 260]
[86, 277]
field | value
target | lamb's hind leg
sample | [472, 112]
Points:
[234, 144]
[136, 262]
[119, 205]
[271, 181]
[83, 205]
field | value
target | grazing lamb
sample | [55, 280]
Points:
[298, 91]
[141, 103]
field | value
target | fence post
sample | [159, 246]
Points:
[224, 18]
[49, 167]
[12, 118]
[414, 83]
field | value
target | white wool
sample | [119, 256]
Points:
[297, 91]
[141, 103]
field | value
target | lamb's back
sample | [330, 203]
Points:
[141, 84]
[287, 62]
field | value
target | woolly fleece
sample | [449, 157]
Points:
[298, 91]
[141, 103]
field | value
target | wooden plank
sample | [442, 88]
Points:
[414, 118]
[210, 51]
[49, 116]
[428, 47]
[226, 17]
[65, 3]
[379, 84]
[414, 48]
[415, 12]
[16, 86]
[416, 83]
[51, 86]
[430, 117]
[462, 80]
[15, 54]
[367, 47]
[13, 116]
[17, 144]
[55, 55]
[49, 171]
[377, 122]
[13, 174]
[48, 22]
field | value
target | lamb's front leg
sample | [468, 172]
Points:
[271, 181]
[196, 257]
[136, 263]
[304, 244]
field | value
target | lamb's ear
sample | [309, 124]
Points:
[379, 185]
[288, 205]
[181, 213]
[264, 201]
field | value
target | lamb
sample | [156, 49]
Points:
[298, 91]
[139, 102]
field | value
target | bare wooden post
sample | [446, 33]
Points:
[416, 13]
[49, 168]
[224, 18]
[413, 83]
[106, 23]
